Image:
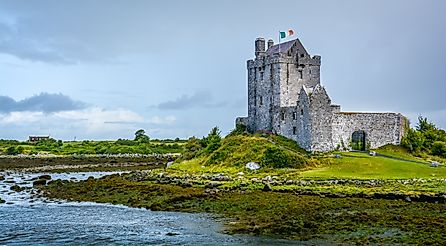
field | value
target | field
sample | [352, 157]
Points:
[121, 146]
[353, 165]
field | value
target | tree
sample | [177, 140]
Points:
[213, 141]
[191, 148]
[141, 136]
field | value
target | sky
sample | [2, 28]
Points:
[103, 69]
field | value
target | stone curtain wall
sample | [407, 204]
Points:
[321, 120]
[380, 128]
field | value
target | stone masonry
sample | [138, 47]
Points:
[285, 97]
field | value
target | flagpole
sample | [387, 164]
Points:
[279, 43]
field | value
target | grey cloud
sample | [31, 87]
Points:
[44, 102]
[198, 99]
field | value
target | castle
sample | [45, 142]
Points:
[285, 97]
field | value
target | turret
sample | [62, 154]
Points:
[260, 47]
[270, 43]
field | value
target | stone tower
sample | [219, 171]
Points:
[285, 97]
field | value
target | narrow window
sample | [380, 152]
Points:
[261, 75]
[287, 73]
[255, 73]
[294, 130]
[301, 75]
[302, 55]
[294, 115]
[283, 116]
[301, 112]
[261, 100]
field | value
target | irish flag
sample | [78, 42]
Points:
[283, 35]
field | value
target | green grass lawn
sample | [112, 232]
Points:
[364, 166]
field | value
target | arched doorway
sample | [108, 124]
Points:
[359, 140]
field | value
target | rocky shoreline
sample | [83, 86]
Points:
[83, 162]
[219, 182]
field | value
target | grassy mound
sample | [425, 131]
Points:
[236, 150]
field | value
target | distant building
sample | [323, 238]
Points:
[285, 97]
[38, 138]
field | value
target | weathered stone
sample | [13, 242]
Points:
[169, 164]
[2, 177]
[253, 166]
[434, 164]
[285, 97]
[213, 184]
[267, 187]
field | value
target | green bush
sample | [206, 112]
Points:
[439, 148]
[280, 158]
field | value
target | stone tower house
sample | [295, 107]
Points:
[285, 97]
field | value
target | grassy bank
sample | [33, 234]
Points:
[274, 214]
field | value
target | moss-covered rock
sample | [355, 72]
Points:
[17, 188]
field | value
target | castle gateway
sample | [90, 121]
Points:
[285, 97]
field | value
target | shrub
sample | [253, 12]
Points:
[280, 158]
[439, 148]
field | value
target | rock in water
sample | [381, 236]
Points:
[434, 164]
[2, 177]
[253, 166]
[45, 177]
[17, 188]
[2, 201]
[39, 182]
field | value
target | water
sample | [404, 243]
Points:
[37, 221]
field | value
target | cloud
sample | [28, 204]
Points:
[43, 102]
[198, 99]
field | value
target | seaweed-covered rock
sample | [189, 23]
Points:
[45, 177]
[39, 182]
[2, 201]
[17, 188]
[2, 177]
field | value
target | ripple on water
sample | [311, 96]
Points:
[31, 220]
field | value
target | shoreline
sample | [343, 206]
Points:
[271, 213]
[83, 162]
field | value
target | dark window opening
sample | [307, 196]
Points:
[283, 116]
[301, 75]
[301, 112]
[261, 75]
[294, 130]
[302, 55]
[261, 100]
[294, 115]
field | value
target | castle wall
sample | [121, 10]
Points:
[321, 115]
[380, 128]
